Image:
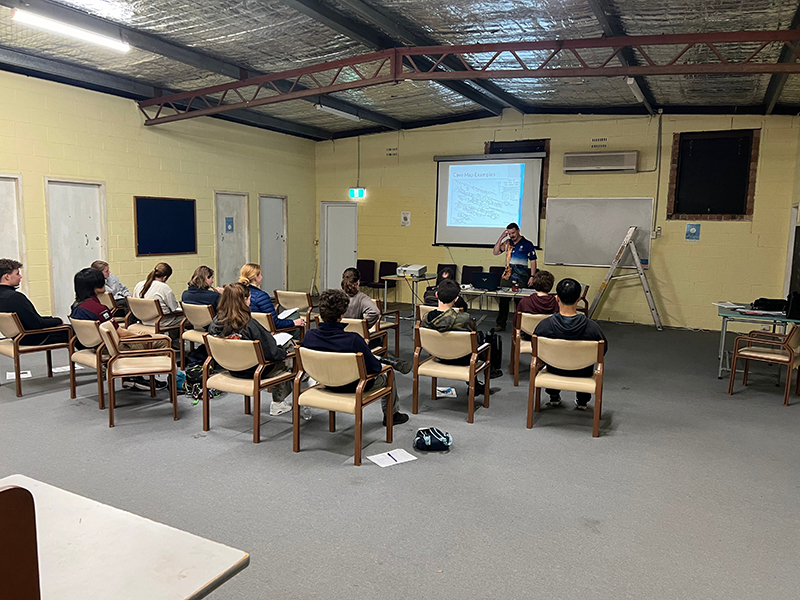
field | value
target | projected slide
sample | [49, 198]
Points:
[485, 195]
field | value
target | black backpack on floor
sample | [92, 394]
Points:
[496, 344]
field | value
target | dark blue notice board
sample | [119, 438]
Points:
[165, 226]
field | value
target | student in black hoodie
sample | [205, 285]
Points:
[569, 324]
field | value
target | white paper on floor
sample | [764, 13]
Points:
[391, 458]
[447, 392]
[22, 375]
[66, 369]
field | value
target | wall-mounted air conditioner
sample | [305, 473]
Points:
[603, 162]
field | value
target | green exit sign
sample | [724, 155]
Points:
[357, 193]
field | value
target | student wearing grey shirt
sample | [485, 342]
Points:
[114, 286]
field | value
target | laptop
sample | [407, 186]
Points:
[486, 281]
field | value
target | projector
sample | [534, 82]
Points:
[411, 270]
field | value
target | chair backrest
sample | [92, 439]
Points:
[87, 332]
[528, 322]
[387, 268]
[144, 309]
[199, 315]
[466, 274]
[357, 325]
[423, 310]
[793, 339]
[570, 355]
[330, 368]
[299, 300]
[498, 270]
[367, 269]
[266, 321]
[233, 355]
[107, 300]
[441, 266]
[10, 325]
[110, 337]
[448, 344]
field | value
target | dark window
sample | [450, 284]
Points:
[713, 175]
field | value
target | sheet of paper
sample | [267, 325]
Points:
[66, 369]
[448, 392]
[290, 313]
[727, 304]
[391, 458]
[282, 337]
[10, 376]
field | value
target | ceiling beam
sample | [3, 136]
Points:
[53, 70]
[777, 81]
[626, 56]
[375, 40]
[156, 45]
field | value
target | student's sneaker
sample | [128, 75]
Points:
[143, 383]
[498, 328]
[305, 412]
[554, 401]
[128, 383]
[580, 406]
[278, 408]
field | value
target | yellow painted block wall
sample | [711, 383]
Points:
[53, 130]
[732, 260]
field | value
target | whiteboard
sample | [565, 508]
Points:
[587, 232]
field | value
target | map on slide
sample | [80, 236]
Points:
[484, 195]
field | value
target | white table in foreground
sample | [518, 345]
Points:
[92, 550]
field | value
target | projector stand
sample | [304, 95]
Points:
[627, 243]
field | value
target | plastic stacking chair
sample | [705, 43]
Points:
[385, 268]
[523, 323]
[467, 272]
[776, 348]
[569, 355]
[148, 309]
[238, 355]
[367, 269]
[94, 355]
[135, 363]
[336, 369]
[11, 327]
[389, 319]
[197, 317]
[451, 345]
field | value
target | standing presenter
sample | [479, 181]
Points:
[519, 251]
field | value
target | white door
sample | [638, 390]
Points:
[77, 236]
[232, 241]
[11, 236]
[272, 231]
[339, 237]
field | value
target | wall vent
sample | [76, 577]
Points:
[604, 162]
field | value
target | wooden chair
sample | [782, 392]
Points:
[451, 345]
[523, 323]
[19, 556]
[423, 310]
[198, 317]
[776, 348]
[389, 319]
[238, 355]
[93, 356]
[569, 355]
[11, 327]
[136, 363]
[299, 300]
[108, 300]
[336, 369]
[585, 308]
[361, 328]
[268, 323]
[148, 309]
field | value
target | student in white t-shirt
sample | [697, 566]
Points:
[155, 286]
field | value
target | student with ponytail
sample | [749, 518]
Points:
[260, 302]
[361, 306]
[155, 286]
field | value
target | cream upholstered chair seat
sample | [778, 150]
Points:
[781, 349]
[334, 369]
[137, 364]
[769, 355]
[87, 358]
[523, 323]
[238, 355]
[450, 345]
[568, 355]
[142, 329]
[193, 335]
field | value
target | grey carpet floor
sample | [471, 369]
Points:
[688, 493]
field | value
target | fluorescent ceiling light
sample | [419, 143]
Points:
[337, 112]
[58, 27]
[635, 89]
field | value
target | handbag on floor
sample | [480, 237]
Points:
[432, 438]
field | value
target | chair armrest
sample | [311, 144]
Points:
[767, 334]
[387, 313]
[149, 352]
[482, 348]
[384, 369]
[759, 340]
[46, 330]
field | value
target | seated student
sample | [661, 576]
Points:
[155, 286]
[429, 297]
[361, 306]
[12, 301]
[541, 302]
[250, 275]
[201, 288]
[234, 321]
[118, 290]
[90, 282]
[569, 324]
[330, 336]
